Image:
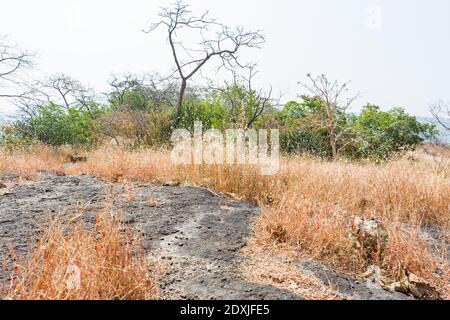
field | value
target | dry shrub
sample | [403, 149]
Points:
[108, 262]
[27, 161]
[408, 247]
[115, 164]
[321, 232]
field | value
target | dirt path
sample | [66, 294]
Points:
[194, 232]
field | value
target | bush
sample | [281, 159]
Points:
[10, 139]
[56, 126]
[210, 113]
[73, 263]
[160, 128]
[381, 134]
[304, 141]
[137, 128]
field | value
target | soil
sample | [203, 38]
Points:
[196, 234]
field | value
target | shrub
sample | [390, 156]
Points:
[304, 141]
[72, 263]
[381, 134]
[210, 113]
[57, 126]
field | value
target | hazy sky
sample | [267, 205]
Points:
[396, 52]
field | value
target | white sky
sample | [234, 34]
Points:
[396, 52]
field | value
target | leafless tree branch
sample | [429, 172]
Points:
[440, 112]
[224, 43]
[336, 102]
[12, 62]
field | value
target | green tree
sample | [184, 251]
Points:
[383, 133]
[210, 112]
[299, 130]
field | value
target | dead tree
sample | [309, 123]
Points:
[12, 62]
[217, 41]
[151, 88]
[59, 90]
[65, 92]
[336, 102]
[441, 112]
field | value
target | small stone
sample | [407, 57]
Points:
[171, 184]
[371, 237]
[75, 159]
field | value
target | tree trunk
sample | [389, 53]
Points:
[334, 149]
[333, 143]
[180, 102]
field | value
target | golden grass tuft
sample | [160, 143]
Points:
[107, 262]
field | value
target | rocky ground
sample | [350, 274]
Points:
[196, 234]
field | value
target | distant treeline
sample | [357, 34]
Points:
[140, 111]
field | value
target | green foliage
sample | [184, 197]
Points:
[210, 112]
[242, 104]
[135, 98]
[304, 141]
[58, 126]
[373, 134]
[298, 133]
[384, 133]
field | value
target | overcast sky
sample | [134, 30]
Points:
[396, 52]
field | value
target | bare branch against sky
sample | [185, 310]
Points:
[218, 41]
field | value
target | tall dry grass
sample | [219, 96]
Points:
[71, 263]
[310, 204]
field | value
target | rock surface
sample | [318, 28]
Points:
[355, 288]
[194, 233]
[197, 232]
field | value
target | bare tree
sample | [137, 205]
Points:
[60, 90]
[66, 92]
[441, 112]
[121, 84]
[12, 62]
[151, 88]
[336, 102]
[217, 41]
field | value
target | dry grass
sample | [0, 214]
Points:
[310, 204]
[105, 260]
[27, 161]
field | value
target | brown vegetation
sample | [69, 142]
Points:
[70, 262]
[309, 206]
